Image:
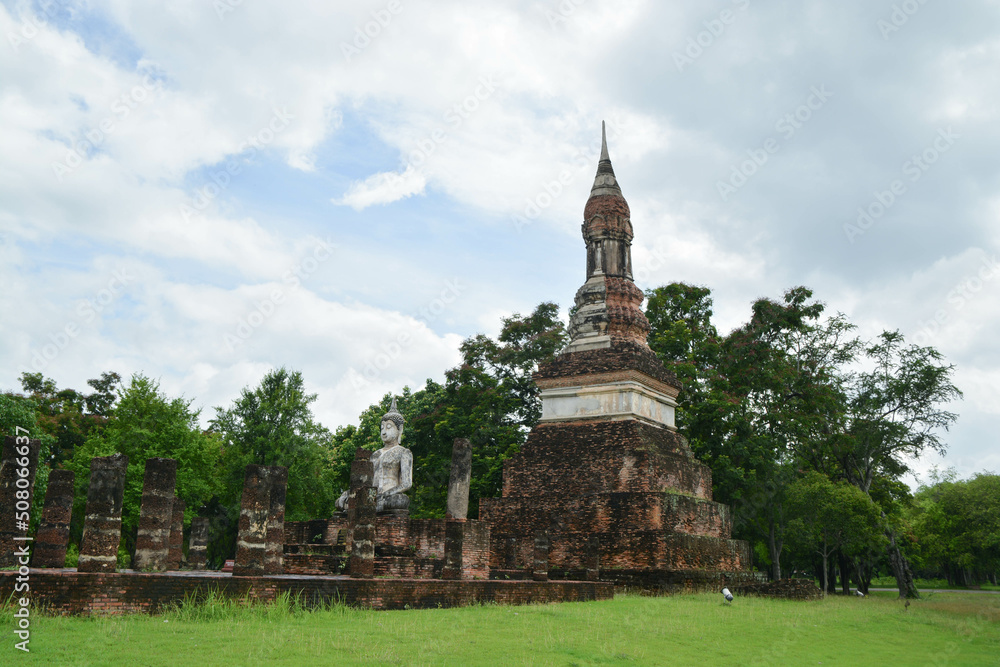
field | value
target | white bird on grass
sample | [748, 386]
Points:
[726, 594]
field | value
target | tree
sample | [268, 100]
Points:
[894, 412]
[832, 516]
[752, 401]
[957, 523]
[272, 425]
[69, 416]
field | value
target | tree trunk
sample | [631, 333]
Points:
[993, 578]
[826, 569]
[775, 549]
[863, 571]
[845, 577]
[900, 568]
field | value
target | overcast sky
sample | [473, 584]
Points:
[204, 190]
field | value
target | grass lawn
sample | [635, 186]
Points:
[890, 582]
[944, 628]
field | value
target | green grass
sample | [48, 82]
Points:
[944, 628]
[890, 582]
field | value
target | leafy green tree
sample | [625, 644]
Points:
[753, 401]
[20, 411]
[145, 424]
[67, 415]
[832, 516]
[272, 425]
[17, 411]
[894, 412]
[957, 523]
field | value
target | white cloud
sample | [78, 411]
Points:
[486, 108]
[383, 188]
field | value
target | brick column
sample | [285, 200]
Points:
[18, 454]
[53, 532]
[458, 484]
[592, 558]
[175, 552]
[362, 475]
[257, 525]
[198, 544]
[362, 563]
[540, 564]
[152, 547]
[102, 527]
[275, 547]
[454, 543]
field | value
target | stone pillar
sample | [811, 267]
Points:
[152, 546]
[361, 509]
[362, 475]
[16, 493]
[260, 486]
[592, 558]
[198, 544]
[540, 564]
[53, 532]
[275, 547]
[458, 484]
[175, 553]
[102, 527]
[454, 543]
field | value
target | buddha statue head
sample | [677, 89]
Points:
[392, 426]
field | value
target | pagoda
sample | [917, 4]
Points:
[605, 483]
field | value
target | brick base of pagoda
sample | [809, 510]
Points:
[633, 487]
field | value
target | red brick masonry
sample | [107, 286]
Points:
[70, 592]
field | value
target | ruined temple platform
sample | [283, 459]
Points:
[66, 591]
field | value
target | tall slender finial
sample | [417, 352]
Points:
[604, 182]
[604, 143]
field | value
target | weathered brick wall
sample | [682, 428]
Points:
[315, 564]
[307, 532]
[427, 537]
[632, 550]
[608, 512]
[788, 589]
[577, 458]
[476, 550]
[673, 581]
[422, 556]
[622, 355]
[394, 535]
[392, 531]
[111, 593]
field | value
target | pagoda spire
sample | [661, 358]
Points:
[608, 305]
[605, 182]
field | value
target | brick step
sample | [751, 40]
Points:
[652, 550]
[312, 549]
[608, 512]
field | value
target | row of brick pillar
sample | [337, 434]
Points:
[161, 515]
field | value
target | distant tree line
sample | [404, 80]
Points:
[808, 430]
